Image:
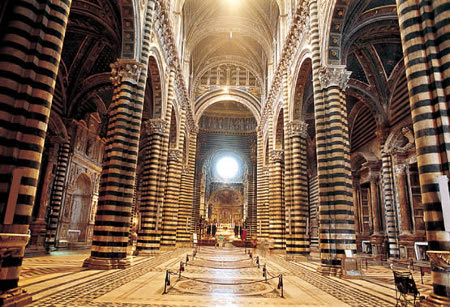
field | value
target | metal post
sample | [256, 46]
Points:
[166, 281]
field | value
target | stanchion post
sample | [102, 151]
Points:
[265, 272]
[166, 281]
[181, 269]
[187, 259]
[280, 285]
[257, 261]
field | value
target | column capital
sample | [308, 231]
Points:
[400, 169]
[265, 171]
[175, 155]
[155, 126]
[297, 128]
[125, 70]
[276, 155]
[373, 176]
[334, 75]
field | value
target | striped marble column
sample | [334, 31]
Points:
[172, 194]
[265, 225]
[287, 176]
[424, 29]
[30, 53]
[112, 221]
[387, 186]
[276, 206]
[336, 217]
[187, 193]
[299, 245]
[162, 174]
[149, 236]
[57, 195]
[259, 185]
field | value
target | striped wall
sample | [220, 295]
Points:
[30, 52]
[424, 29]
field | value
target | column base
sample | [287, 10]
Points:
[277, 251]
[406, 245]
[147, 252]
[95, 263]
[297, 257]
[330, 270]
[15, 297]
[434, 301]
[183, 244]
[167, 247]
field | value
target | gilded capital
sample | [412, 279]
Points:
[298, 128]
[155, 126]
[335, 75]
[400, 169]
[175, 155]
[276, 155]
[125, 70]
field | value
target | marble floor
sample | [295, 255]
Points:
[214, 277]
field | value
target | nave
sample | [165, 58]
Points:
[206, 280]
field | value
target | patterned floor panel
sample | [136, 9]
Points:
[216, 278]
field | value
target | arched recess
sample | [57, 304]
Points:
[233, 95]
[153, 91]
[226, 205]
[174, 129]
[80, 216]
[297, 97]
[279, 131]
[57, 127]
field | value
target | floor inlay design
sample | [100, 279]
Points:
[215, 277]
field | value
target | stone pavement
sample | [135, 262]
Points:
[215, 277]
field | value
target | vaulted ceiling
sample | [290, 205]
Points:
[242, 31]
[92, 43]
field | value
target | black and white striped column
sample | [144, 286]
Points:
[57, 195]
[149, 236]
[112, 222]
[424, 29]
[299, 211]
[30, 53]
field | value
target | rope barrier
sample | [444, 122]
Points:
[212, 260]
[265, 272]
[225, 268]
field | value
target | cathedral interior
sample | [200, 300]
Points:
[224, 152]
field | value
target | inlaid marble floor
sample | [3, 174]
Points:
[215, 277]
